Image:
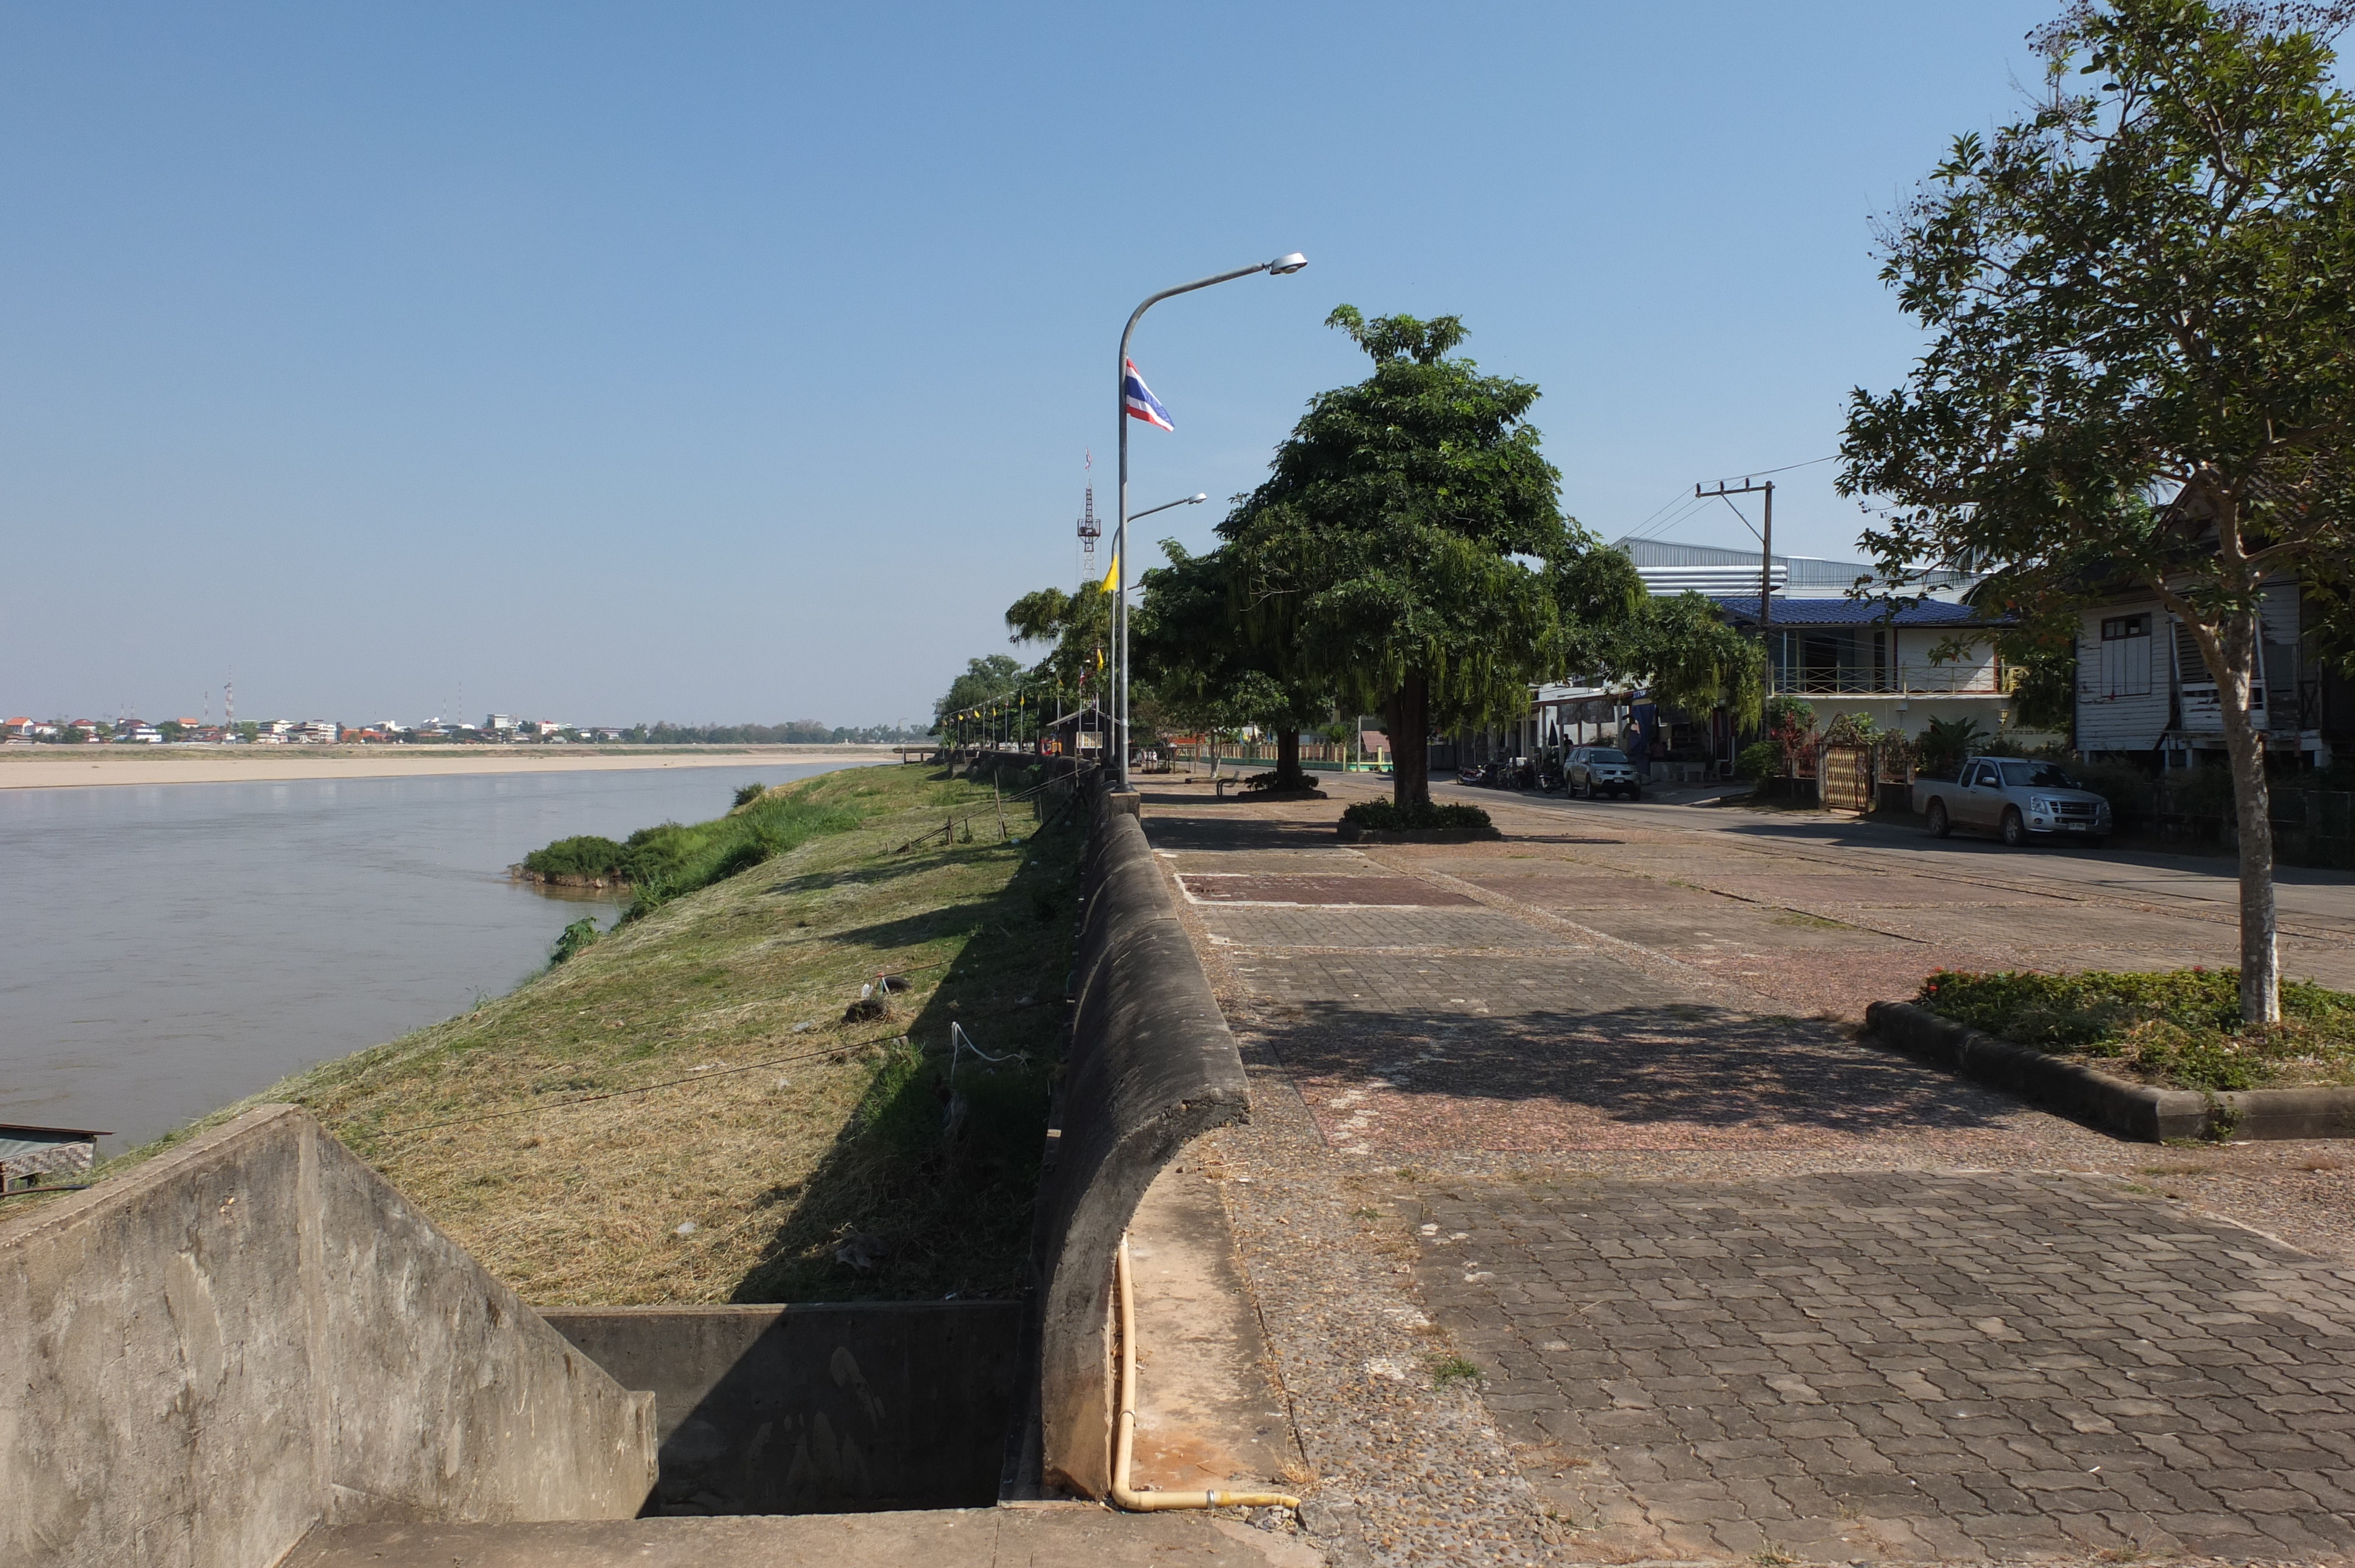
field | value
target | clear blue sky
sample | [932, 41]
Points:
[610, 363]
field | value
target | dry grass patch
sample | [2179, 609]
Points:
[790, 1155]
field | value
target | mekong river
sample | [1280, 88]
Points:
[173, 948]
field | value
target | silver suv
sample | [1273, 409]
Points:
[1594, 770]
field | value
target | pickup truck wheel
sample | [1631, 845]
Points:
[2015, 828]
[1939, 824]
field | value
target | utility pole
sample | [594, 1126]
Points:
[1765, 563]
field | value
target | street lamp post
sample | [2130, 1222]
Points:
[1120, 611]
[1277, 267]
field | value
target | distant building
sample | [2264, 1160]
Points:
[501, 724]
[1670, 568]
[30, 1156]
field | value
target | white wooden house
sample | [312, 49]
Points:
[2142, 686]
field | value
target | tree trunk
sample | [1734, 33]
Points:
[2253, 809]
[1408, 716]
[1289, 775]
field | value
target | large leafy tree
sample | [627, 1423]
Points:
[1076, 628]
[2140, 300]
[1388, 558]
[984, 680]
[1688, 658]
[1203, 670]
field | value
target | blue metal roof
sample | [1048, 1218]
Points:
[1852, 612]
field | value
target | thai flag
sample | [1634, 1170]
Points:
[1142, 404]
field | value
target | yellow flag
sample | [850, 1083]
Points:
[1111, 576]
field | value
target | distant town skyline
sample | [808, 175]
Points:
[619, 361]
[132, 729]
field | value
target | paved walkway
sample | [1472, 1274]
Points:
[1584, 1229]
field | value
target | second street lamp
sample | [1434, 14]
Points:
[1278, 267]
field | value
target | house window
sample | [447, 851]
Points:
[2125, 655]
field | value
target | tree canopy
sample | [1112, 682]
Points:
[992, 675]
[1201, 671]
[1401, 552]
[1077, 629]
[2140, 298]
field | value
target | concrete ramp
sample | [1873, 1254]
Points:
[252, 1336]
[1050, 1537]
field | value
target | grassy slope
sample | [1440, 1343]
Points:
[777, 1168]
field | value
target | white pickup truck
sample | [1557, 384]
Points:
[2020, 799]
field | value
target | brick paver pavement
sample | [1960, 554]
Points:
[1736, 1285]
[1904, 1365]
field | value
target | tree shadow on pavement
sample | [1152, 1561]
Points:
[1433, 1079]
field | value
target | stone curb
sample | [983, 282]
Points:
[2112, 1104]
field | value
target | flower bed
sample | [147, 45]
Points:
[2180, 1029]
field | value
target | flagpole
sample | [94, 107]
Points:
[1279, 267]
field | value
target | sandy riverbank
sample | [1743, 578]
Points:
[72, 767]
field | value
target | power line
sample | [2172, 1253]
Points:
[1787, 468]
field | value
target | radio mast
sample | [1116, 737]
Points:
[1090, 532]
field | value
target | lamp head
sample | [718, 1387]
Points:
[1197, 498]
[1282, 264]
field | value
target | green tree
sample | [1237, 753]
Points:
[2140, 298]
[1387, 557]
[992, 675]
[1206, 671]
[1077, 629]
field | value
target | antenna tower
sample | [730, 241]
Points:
[1090, 532]
[228, 704]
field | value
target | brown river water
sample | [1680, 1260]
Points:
[168, 948]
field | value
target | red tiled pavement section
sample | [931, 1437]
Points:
[1371, 891]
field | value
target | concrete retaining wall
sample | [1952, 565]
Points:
[816, 1409]
[254, 1334]
[1152, 1064]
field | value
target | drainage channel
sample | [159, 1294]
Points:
[821, 1408]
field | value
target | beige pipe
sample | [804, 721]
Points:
[1125, 1442]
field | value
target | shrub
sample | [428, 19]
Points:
[1851, 729]
[586, 856]
[1760, 760]
[748, 793]
[1943, 746]
[1384, 816]
[571, 939]
[2181, 1028]
[662, 862]
[2126, 786]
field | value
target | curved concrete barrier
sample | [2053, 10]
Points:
[253, 1335]
[1151, 1065]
